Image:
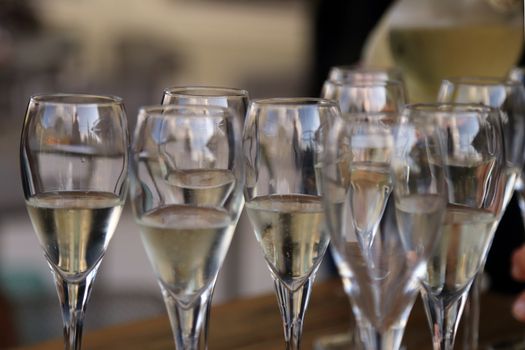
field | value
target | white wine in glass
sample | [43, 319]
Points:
[237, 101]
[282, 146]
[289, 228]
[509, 98]
[476, 193]
[74, 157]
[187, 197]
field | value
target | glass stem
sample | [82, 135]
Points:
[188, 320]
[471, 315]
[387, 340]
[370, 337]
[73, 296]
[292, 305]
[443, 315]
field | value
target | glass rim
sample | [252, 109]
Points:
[185, 111]
[75, 99]
[364, 69]
[294, 102]
[484, 81]
[372, 115]
[449, 108]
[205, 91]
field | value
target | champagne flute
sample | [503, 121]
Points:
[186, 194]
[476, 179]
[509, 97]
[282, 146]
[234, 99]
[380, 267]
[74, 156]
[357, 98]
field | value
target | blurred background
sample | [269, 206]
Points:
[134, 49]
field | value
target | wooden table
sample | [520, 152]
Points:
[255, 324]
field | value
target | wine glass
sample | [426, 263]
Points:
[282, 147]
[356, 98]
[509, 97]
[235, 99]
[476, 179]
[365, 158]
[186, 194]
[74, 158]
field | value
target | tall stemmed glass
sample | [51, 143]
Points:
[476, 194]
[186, 193]
[357, 96]
[236, 100]
[380, 267]
[282, 144]
[74, 156]
[509, 97]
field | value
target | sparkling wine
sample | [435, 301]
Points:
[203, 187]
[466, 237]
[186, 246]
[74, 228]
[290, 230]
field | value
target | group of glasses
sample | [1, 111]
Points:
[408, 195]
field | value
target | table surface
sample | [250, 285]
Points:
[254, 323]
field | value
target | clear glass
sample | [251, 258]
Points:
[282, 146]
[74, 160]
[380, 249]
[359, 97]
[509, 97]
[186, 194]
[476, 179]
[236, 100]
